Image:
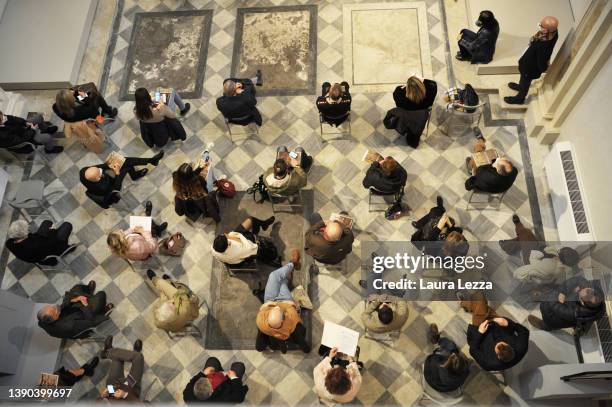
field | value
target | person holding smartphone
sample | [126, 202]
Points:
[335, 381]
[119, 386]
[75, 105]
[334, 104]
[289, 173]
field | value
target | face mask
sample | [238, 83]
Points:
[478, 23]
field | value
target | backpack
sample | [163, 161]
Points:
[394, 211]
[259, 187]
[469, 97]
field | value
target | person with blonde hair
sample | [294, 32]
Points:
[75, 105]
[136, 243]
[416, 94]
[385, 176]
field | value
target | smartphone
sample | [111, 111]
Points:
[111, 389]
[157, 96]
[293, 155]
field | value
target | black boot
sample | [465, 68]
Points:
[157, 157]
[140, 174]
[268, 222]
[91, 366]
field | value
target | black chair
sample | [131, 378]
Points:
[158, 134]
[244, 121]
[329, 119]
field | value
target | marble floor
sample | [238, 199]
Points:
[391, 375]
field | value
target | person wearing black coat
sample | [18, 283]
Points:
[493, 178]
[15, 130]
[80, 310]
[496, 343]
[334, 102]
[101, 180]
[34, 247]
[75, 105]
[446, 369]
[385, 176]
[535, 59]
[426, 90]
[212, 385]
[479, 47]
[194, 194]
[579, 301]
[238, 102]
[408, 123]
[434, 226]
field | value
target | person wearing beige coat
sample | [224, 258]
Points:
[384, 313]
[176, 306]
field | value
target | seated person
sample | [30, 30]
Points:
[176, 306]
[384, 313]
[194, 190]
[579, 301]
[278, 319]
[336, 383]
[328, 241]
[525, 241]
[457, 99]
[213, 385]
[547, 266]
[238, 101]
[496, 343]
[101, 180]
[446, 369]
[34, 247]
[479, 47]
[334, 102]
[15, 130]
[288, 175]
[148, 111]
[496, 177]
[435, 226]
[80, 309]
[137, 243]
[75, 105]
[68, 377]
[385, 176]
[241, 244]
[416, 94]
[126, 388]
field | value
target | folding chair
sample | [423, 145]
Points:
[247, 266]
[455, 113]
[234, 120]
[324, 119]
[373, 192]
[435, 397]
[152, 262]
[190, 329]
[286, 201]
[24, 158]
[93, 334]
[59, 259]
[28, 192]
[491, 198]
[341, 267]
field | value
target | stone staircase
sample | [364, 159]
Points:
[12, 103]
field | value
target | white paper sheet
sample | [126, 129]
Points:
[144, 221]
[338, 336]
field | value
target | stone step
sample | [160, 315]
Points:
[506, 91]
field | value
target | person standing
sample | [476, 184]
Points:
[535, 59]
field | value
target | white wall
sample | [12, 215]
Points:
[588, 128]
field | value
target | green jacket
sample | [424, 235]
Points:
[297, 180]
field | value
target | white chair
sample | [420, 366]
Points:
[375, 206]
[248, 266]
[249, 126]
[324, 119]
[473, 118]
[492, 197]
[28, 192]
[286, 201]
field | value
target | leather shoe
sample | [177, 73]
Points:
[109, 307]
[439, 201]
[268, 222]
[433, 335]
[186, 109]
[513, 86]
[148, 208]
[150, 274]
[157, 157]
[161, 228]
[108, 344]
[50, 130]
[537, 322]
[515, 219]
[140, 174]
[295, 259]
[90, 367]
[54, 150]
[91, 287]
[460, 57]
[513, 100]
[363, 284]
[138, 345]
[166, 277]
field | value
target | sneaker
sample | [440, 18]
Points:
[138, 345]
[433, 335]
[513, 86]
[54, 150]
[515, 219]
[295, 259]
[186, 109]
[150, 274]
[513, 100]
[148, 208]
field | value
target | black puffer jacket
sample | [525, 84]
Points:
[375, 178]
[482, 47]
[557, 315]
[15, 131]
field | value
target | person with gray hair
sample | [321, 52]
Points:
[35, 247]
[80, 310]
[213, 385]
[238, 101]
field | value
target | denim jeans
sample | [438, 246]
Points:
[175, 101]
[210, 177]
[276, 287]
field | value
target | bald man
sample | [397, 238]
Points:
[328, 242]
[101, 180]
[535, 59]
[278, 319]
